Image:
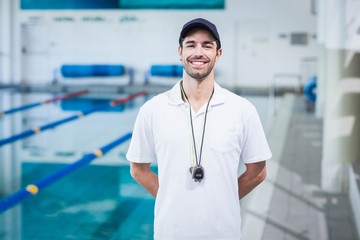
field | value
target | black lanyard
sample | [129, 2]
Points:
[192, 127]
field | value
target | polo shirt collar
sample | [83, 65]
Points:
[175, 95]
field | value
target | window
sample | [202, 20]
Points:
[120, 4]
[68, 4]
[172, 4]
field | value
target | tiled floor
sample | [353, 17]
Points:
[299, 209]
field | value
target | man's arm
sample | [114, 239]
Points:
[145, 177]
[255, 173]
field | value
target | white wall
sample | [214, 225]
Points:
[252, 49]
[5, 41]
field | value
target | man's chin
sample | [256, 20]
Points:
[200, 76]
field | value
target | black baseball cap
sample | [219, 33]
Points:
[199, 23]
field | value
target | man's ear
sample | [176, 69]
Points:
[180, 52]
[218, 54]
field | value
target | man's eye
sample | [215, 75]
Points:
[190, 45]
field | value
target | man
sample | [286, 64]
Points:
[198, 132]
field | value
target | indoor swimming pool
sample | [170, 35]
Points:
[97, 201]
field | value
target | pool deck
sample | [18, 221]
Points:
[290, 203]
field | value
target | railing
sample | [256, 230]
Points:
[274, 88]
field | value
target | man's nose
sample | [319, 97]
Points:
[198, 50]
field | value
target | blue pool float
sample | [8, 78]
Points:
[166, 70]
[95, 70]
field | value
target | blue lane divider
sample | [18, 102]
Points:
[33, 189]
[99, 107]
[59, 98]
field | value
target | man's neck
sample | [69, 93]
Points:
[198, 91]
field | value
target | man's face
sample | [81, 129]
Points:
[198, 53]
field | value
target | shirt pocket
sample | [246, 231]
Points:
[224, 140]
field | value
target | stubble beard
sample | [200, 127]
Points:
[199, 76]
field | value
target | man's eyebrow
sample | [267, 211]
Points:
[189, 42]
[208, 42]
[204, 42]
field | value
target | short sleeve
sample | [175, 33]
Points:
[255, 147]
[141, 148]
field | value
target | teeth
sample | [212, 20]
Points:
[198, 63]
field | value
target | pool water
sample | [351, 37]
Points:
[96, 202]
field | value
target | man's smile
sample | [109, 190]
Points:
[198, 62]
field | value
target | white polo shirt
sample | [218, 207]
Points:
[185, 209]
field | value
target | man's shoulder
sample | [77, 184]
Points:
[156, 101]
